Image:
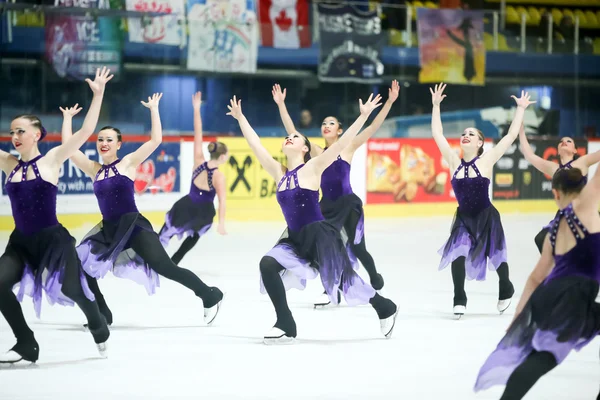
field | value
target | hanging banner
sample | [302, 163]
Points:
[451, 46]
[408, 171]
[159, 173]
[223, 36]
[351, 43]
[516, 179]
[77, 45]
[166, 30]
[284, 24]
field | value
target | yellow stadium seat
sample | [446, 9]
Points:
[592, 20]
[568, 13]
[535, 15]
[417, 3]
[522, 11]
[557, 16]
[582, 19]
[512, 17]
[430, 4]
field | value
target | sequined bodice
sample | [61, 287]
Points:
[472, 194]
[115, 194]
[300, 206]
[569, 166]
[335, 180]
[199, 195]
[33, 201]
[584, 258]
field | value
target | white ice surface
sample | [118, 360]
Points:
[160, 349]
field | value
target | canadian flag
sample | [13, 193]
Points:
[284, 23]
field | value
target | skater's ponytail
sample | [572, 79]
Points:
[482, 138]
[568, 181]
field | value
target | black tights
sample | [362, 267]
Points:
[148, 247]
[527, 374]
[459, 274]
[360, 250]
[11, 272]
[540, 237]
[187, 244]
[269, 272]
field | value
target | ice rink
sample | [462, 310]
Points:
[160, 349]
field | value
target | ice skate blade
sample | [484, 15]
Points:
[459, 311]
[12, 357]
[277, 337]
[87, 329]
[102, 349]
[387, 325]
[503, 305]
[210, 314]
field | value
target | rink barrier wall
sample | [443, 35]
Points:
[251, 192]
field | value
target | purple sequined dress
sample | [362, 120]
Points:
[193, 213]
[477, 232]
[339, 201]
[312, 246]
[39, 240]
[562, 314]
[106, 247]
[562, 166]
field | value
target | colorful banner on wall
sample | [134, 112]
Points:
[451, 46]
[166, 30]
[407, 171]
[223, 36]
[351, 43]
[248, 183]
[159, 173]
[516, 179]
[77, 45]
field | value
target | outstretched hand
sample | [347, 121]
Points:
[278, 95]
[197, 99]
[437, 95]
[152, 101]
[235, 108]
[370, 105]
[99, 82]
[523, 101]
[394, 91]
[71, 111]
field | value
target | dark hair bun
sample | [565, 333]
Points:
[212, 146]
[568, 180]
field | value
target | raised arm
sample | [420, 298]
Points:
[449, 155]
[221, 189]
[273, 168]
[7, 162]
[80, 160]
[492, 156]
[134, 159]
[279, 99]
[539, 273]
[589, 199]
[198, 151]
[324, 160]
[369, 131]
[587, 160]
[544, 166]
[67, 149]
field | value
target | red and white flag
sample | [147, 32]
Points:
[284, 23]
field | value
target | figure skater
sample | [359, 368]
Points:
[339, 205]
[310, 245]
[557, 312]
[477, 237]
[567, 151]
[40, 255]
[193, 214]
[124, 241]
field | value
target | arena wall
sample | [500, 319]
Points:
[420, 184]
